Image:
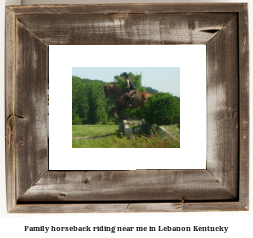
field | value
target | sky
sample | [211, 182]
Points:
[163, 79]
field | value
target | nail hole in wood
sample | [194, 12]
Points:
[86, 181]
[61, 195]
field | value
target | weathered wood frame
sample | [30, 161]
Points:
[222, 186]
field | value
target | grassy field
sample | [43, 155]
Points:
[108, 136]
[93, 130]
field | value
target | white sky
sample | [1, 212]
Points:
[164, 79]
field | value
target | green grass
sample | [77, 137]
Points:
[108, 136]
[105, 136]
[93, 130]
[103, 142]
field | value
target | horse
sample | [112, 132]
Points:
[121, 102]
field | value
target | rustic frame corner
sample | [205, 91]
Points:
[223, 186]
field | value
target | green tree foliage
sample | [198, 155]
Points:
[80, 106]
[120, 82]
[88, 105]
[162, 109]
[96, 113]
[151, 90]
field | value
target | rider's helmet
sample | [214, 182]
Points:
[125, 74]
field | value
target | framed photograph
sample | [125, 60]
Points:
[46, 44]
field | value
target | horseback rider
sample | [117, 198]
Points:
[130, 86]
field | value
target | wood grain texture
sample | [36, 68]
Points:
[132, 29]
[244, 106]
[222, 187]
[139, 185]
[30, 108]
[155, 8]
[9, 109]
[129, 207]
[223, 107]
[186, 207]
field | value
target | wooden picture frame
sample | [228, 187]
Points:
[222, 186]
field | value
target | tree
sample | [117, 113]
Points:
[162, 109]
[80, 104]
[88, 105]
[97, 113]
[120, 82]
[151, 90]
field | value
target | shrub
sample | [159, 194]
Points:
[162, 109]
[135, 113]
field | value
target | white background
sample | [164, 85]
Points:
[12, 224]
[192, 63]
